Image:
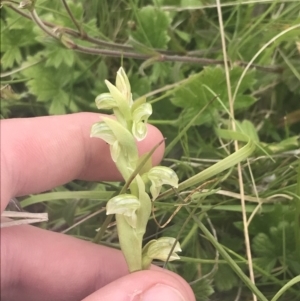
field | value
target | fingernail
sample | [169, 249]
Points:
[161, 292]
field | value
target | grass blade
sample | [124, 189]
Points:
[220, 166]
[285, 288]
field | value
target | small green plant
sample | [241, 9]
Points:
[133, 209]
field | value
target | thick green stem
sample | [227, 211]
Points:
[131, 244]
[131, 239]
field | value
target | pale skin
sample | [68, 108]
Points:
[38, 154]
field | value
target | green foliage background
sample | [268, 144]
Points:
[41, 75]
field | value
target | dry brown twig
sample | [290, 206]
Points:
[17, 216]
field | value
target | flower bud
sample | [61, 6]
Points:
[123, 85]
[120, 100]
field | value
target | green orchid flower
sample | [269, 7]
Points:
[105, 101]
[160, 249]
[140, 117]
[161, 175]
[118, 137]
[126, 205]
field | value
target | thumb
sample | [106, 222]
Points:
[147, 286]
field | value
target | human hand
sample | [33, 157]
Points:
[38, 154]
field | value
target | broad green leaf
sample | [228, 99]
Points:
[10, 57]
[225, 279]
[53, 9]
[60, 55]
[283, 236]
[59, 103]
[47, 84]
[229, 259]
[203, 289]
[262, 223]
[152, 27]
[11, 42]
[16, 31]
[77, 10]
[193, 94]
[266, 263]
[263, 246]
[14, 21]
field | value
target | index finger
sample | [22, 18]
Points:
[40, 153]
